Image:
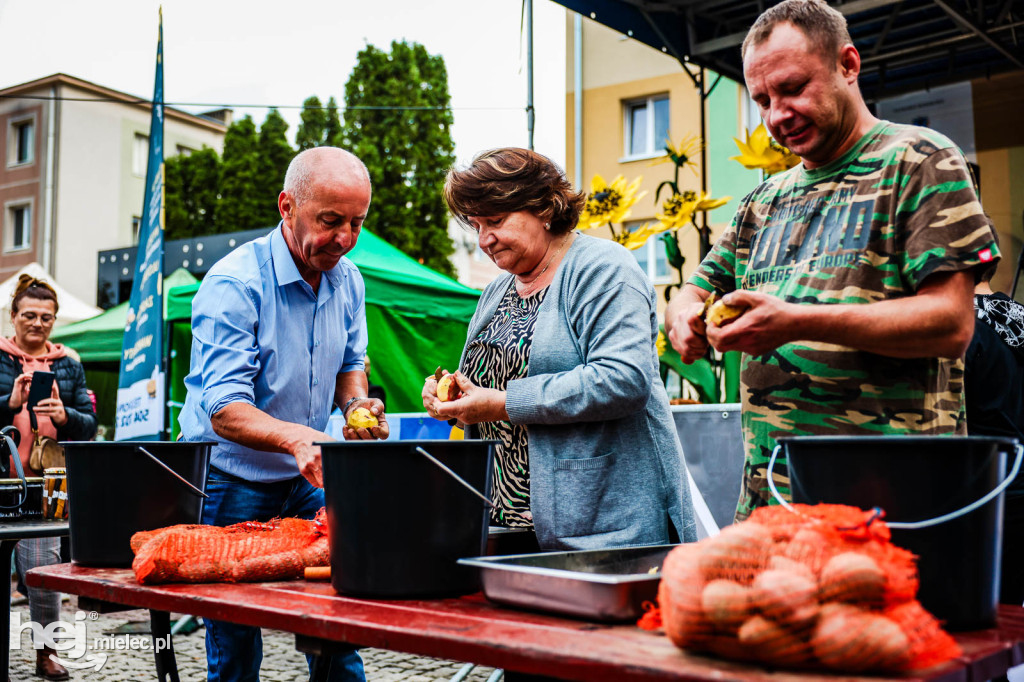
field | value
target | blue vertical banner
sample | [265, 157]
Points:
[140, 386]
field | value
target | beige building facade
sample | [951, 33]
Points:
[633, 97]
[620, 75]
[73, 175]
[999, 144]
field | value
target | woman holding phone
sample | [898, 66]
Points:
[65, 413]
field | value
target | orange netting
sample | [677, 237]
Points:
[821, 588]
[277, 550]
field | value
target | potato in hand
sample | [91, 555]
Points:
[721, 312]
[448, 389]
[362, 418]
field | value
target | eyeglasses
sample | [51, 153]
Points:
[45, 320]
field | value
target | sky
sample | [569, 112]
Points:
[221, 52]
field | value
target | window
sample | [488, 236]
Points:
[21, 143]
[136, 224]
[18, 228]
[140, 154]
[646, 122]
[183, 150]
[652, 257]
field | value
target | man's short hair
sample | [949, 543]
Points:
[824, 26]
[298, 179]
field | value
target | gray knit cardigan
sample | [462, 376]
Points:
[606, 466]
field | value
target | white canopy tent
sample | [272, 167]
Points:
[71, 309]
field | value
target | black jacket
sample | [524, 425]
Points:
[70, 378]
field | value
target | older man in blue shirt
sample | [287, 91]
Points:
[279, 336]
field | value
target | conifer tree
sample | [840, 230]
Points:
[313, 124]
[332, 129]
[273, 156]
[192, 192]
[237, 209]
[405, 141]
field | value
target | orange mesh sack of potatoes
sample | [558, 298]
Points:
[820, 587]
[279, 549]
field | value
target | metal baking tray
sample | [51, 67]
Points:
[607, 585]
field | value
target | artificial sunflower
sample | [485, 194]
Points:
[638, 237]
[678, 209]
[684, 154]
[660, 343]
[609, 203]
[761, 151]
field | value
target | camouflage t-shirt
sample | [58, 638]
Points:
[870, 226]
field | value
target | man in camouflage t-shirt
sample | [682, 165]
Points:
[855, 269]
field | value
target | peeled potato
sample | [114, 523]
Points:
[362, 418]
[447, 389]
[720, 313]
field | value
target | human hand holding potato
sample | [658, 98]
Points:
[467, 402]
[720, 312]
[362, 418]
[441, 386]
[448, 389]
[765, 323]
[366, 421]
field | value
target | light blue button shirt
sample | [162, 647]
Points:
[261, 336]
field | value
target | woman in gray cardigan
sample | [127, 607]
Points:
[560, 366]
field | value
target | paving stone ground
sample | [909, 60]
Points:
[281, 662]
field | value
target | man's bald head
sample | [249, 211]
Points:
[322, 165]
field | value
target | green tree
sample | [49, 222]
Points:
[405, 141]
[332, 129]
[193, 185]
[274, 155]
[238, 207]
[313, 124]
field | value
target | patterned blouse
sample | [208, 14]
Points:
[499, 354]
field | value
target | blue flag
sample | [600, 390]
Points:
[140, 386]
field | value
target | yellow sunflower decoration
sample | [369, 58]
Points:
[682, 156]
[761, 151]
[638, 237]
[678, 209]
[609, 203]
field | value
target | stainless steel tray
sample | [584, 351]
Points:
[605, 585]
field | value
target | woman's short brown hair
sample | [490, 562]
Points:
[513, 179]
[30, 287]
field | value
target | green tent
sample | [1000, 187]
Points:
[416, 318]
[98, 339]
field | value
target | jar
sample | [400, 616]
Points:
[10, 498]
[55, 493]
[33, 505]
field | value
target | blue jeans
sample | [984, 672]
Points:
[234, 652]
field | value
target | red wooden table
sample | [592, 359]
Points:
[472, 629]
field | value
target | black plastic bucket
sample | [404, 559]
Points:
[398, 523]
[115, 490]
[927, 486]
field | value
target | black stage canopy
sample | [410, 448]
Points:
[905, 45]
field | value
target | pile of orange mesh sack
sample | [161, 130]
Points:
[277, 550]
[821, 588]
